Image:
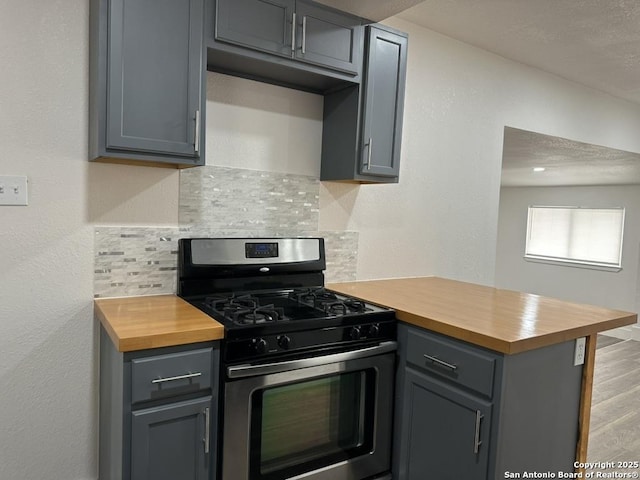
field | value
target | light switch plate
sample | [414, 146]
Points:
[13, 190]
[578, 354]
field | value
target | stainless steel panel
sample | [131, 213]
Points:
[231, 251]
[237, 415]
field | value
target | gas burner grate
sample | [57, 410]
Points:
[259, 315]
[328, 301]
[313, 296]
[231, 303]
[245, 309]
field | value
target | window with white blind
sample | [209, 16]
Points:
[588, 236]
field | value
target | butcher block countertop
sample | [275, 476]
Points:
[501, 320]
[138, 323]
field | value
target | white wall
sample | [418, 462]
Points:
[441, 218]
[610, 289]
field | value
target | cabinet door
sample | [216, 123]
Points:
[258, 24]
[155, 74]
[328, 38]
[445, 432]
[383, 103]
[171, 442]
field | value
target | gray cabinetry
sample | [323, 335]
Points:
[447, 431]
[158, 411]
[263, 25]
[466, 412]
[383, 103]
[170, 441]
[147, 88]
[328, 38]
[298, 44]
[362, 129]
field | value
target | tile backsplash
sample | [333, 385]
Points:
[217, 202]
[233, 198]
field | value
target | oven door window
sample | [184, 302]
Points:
[310, 424]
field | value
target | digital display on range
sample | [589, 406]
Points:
[261, 250]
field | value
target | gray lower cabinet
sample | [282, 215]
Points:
[463, 411]
[147, 81]
[158, 412]
[296, 43]
[362, 129]
[448, 424]
[170, 441]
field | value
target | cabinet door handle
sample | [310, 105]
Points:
[304, 34]
[178, 377]
[196, 135]
[476, 438]
[441, 362]
[293, 32]
[368, 165]
[207, 431]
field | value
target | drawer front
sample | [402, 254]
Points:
[171, 374]
[460, 363]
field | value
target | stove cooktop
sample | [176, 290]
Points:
[266, 323]
[239, 310]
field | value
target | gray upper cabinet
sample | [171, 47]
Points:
[383, 103]
[362, 129]
[263, 25]
[147, 102]
[327, 38]
[298, 44]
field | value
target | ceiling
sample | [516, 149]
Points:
[375, 10]
[566, 162]
[592, 42]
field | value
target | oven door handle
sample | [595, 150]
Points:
[243, 371]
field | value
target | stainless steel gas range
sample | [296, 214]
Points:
[307, 374]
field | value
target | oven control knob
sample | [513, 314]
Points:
[284, 342]
[355, 333]
[374, 330]
[259, 345]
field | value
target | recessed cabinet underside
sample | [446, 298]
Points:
[293, 43]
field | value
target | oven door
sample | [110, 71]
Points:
[319, 418]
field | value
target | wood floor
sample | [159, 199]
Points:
[615, 414]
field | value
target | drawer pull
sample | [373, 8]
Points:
[441, 362]
[476, 438]
[178, 377]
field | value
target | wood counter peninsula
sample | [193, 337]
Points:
[504, 359]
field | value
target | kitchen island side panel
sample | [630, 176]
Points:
[539, 411]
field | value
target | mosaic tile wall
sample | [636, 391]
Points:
[217, 202]
[143, 261]
[135, 261]
[230, 198]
